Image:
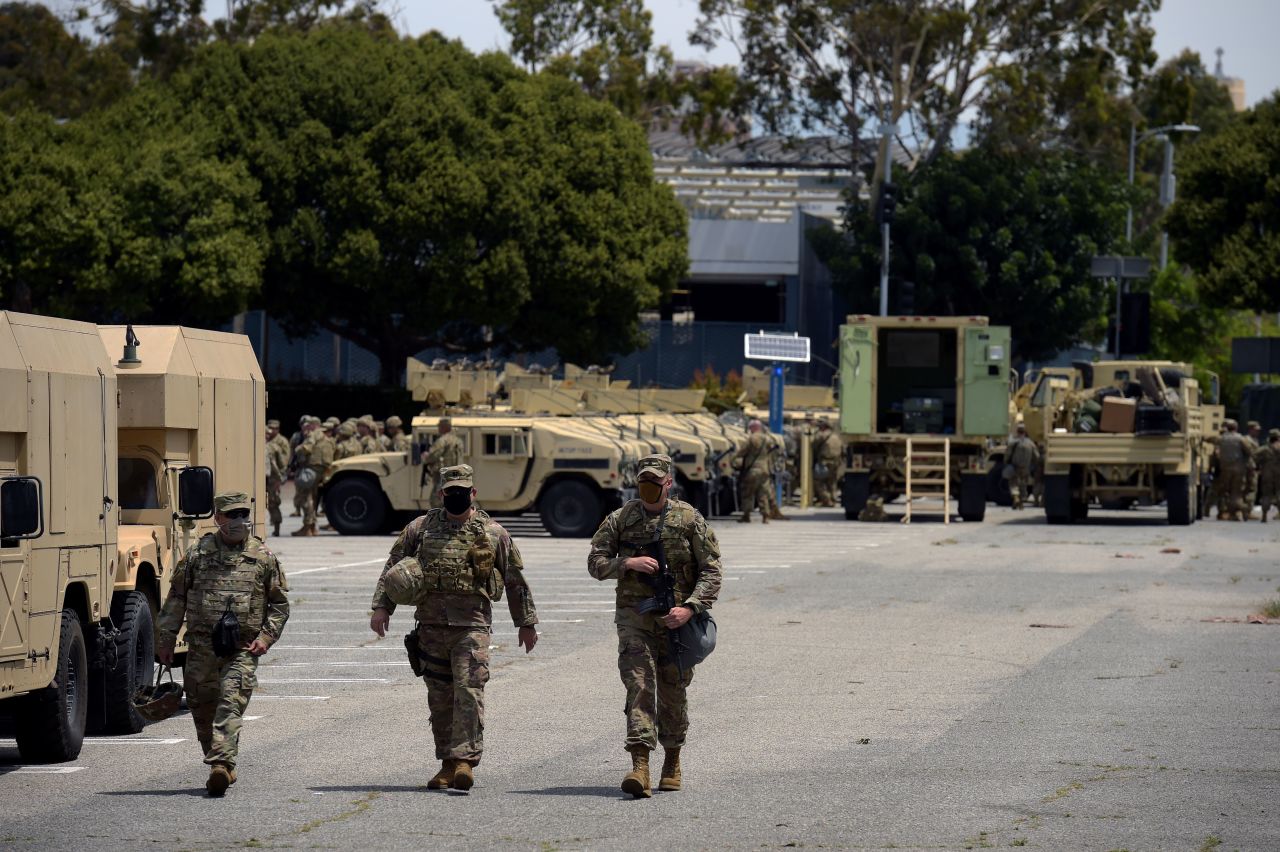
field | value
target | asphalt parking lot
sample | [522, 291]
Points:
[876, 686]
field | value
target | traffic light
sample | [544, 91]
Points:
[1135, 323]
[888, 203]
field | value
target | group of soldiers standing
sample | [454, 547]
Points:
[763, 458]
[1246, 471]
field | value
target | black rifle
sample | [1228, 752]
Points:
[663, 584]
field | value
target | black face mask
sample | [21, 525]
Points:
[457, 500]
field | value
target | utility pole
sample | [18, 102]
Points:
[886, 134]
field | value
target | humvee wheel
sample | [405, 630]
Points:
[355, 506]
[1180, 500]
[570, 509]
[50, 721]
[135, 658]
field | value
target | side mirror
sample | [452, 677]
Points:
[21, 509]
[195, 493]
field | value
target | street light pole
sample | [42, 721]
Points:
[1167, 179]
[886, 133]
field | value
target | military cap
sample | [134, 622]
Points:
[330, 422]
[225, 501]
[366, 418]
[346, 430]
[1253, 424]
[824, 423]
[273, 424]
[459, 474]
[395, 421]
[1230, 424]
[313, 420]
[1273, 433]
[444, 421]
[657, 463]
[304, 420]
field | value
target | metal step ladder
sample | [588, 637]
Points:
[926, 458]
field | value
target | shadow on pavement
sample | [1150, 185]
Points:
[603, 792]
[198, 792]
[374, 788]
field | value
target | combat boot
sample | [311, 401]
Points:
[670, 781]
[444, 777]
[275, 530]
[462, 778]
[776, 515]
[231, 776]
[219, 780]
[764, 517]
[745, 519]
[637, 781]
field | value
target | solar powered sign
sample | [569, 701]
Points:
[776, 347]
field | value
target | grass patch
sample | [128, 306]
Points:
[1210, 843]
[1271, 609]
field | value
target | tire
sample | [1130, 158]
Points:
[355, 506]
[855, 489]
[570, 509]
[50, 722]
[135, 662]
[1179, 500]
[998, 490]
[1079, 511]
[973, 497]
[1057, 499]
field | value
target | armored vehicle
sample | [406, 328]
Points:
[940, 383]
[1122, 431]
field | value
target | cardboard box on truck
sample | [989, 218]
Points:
[1118, 414]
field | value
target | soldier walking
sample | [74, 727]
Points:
[828, 451]
[277, 470]
[446, 451]
[1268, 460]
[657, 708]
[295, 441]
[230, 571]
[454, 562]
[316, 454]
[752, 463]
[1252, 437]
[1234, 458]
[1024, 457]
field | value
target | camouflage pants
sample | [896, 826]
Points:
[457, 662]
[309, 500]
[1268, 492]
[273, 500]
[1020, 486]
[218, 691]
[1231, 490]
[657, 709]
[754, 492]
[826, 487]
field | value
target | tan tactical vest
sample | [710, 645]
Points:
[459, 559]
[635, 533]
[216, 576]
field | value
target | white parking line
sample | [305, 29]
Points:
[41, 770]
[325, 680]
[146, 741]
[290, 698]
[331, 567]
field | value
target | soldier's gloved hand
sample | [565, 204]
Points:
[528, 638]
[379, 621]
[257, 647]
[676, 617]
[641, 565]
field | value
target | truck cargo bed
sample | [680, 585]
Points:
[1114, 448]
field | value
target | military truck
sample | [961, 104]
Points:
[945, 379]
[188, 398]
[1153, 450]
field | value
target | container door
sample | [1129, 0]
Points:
[986, 380]
[15, 607]
[857, 379]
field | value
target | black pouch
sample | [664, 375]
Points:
[226, 633]
[415, 655]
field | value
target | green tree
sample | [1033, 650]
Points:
[1033, 70]
[998, 234]
[1225, 224]
[44, 67]
[419, 195]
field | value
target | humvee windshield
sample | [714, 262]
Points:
[138, 484]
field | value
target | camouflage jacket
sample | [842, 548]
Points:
[347, 448]
[399, 444]
[213, 574]
[456, 608]
[317, 452]
[754, 454]
[445, 452]
[370, 444]
[1023, 454]
[693, 554]
[278, 452]
[829, 448]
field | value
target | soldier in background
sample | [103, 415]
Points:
[398, 441]
[230, 569]
[446, 451]
[1234, 458]
[1268, 461]
[294, 442]
[777, 473]
[459, 561]
[380, 433]
[277, 470]
[1252, 436]
[365, 432]
[1024, 457]
[316, 453]
[657, 707]
[348, 444]
[752, 463]
[828, 450]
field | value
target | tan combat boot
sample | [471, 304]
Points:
[462, 777]
[764, 517]
[219, 780]
[670, 781]
[637, 781]
[776, 515]
[443, 778]
[745, 519]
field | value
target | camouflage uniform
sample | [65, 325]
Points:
[1025, 458]
[1234, 458]
[368, 439]
[349, 445]
[446, 451]
[278, 452]
[873, 511]
[1268, 461]
[657, 709]
[827, 452]
[218, 688]
[317, 453]
[752, 463]
[399, 442]
[1251, 438]
[296, 441]
[470, 564]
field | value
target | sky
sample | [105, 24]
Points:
[1245, 29]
